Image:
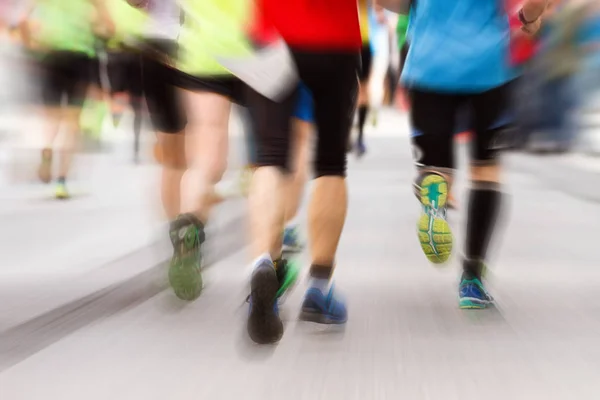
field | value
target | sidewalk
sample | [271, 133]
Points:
[55, 253]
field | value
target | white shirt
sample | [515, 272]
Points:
[164, 21]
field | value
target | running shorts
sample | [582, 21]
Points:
[124, 71]
[65, 73]
[331, 77]
[158, 83]
[434, 117]
[227, 86]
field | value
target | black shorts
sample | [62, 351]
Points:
[332, 79]
[124, 71]
[227, 86]
[366, 62]
[65, 73]
[158, 83]
[95, 72]
[434, 120]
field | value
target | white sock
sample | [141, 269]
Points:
[261, 259]
[321, 284]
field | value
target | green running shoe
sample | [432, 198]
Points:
[184, 271]
[287, 274]
[433, 229]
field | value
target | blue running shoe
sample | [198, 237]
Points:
[472, 294]
[361, 149]
[291, 240]
[323, 309]
[264, 325]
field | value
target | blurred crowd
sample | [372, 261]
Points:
[558, 84]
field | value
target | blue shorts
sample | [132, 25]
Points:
[304, 105]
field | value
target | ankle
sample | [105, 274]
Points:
[472, 269]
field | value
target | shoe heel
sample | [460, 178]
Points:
[433, 230]
[264, 325]
[434, 191]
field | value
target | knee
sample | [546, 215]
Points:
[215, 169]
[334, 165]
[485, 173]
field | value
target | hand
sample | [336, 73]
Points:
[533, 27]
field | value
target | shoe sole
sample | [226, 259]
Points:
[318, 318]
[264, 325]
[185, 279]
[473, 304]
[435, 235]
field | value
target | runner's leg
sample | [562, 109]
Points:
[363, 96]
[332, 79]
[490, 120]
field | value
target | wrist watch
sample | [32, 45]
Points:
[523, 19]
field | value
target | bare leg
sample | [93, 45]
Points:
[206, 149]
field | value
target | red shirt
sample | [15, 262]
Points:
[523, 47]
[311, 24]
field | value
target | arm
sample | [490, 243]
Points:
[530, 15]
[103, 24]
[379, 12]
[23, 25]
[397, 6]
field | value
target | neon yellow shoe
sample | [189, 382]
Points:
[61, 191]
[433, 229]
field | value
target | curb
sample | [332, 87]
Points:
[22, 341]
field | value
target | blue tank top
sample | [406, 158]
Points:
[458, 46]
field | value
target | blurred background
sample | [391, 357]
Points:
[83, 305]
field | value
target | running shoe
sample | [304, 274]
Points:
[374, 117]
[435, 235]
[264, 325]
[45, 169]
[323, 308]
[291, 240]
[361, 149]
[287, 275]
[61, 191]
[184, 271]
[472, 294]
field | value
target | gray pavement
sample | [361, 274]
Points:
[405, 338]
[58, 256]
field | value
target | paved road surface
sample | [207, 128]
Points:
[406, 339]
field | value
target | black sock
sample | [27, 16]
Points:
[62, 180]
[362, 118]
[321, 271]
[484, 206]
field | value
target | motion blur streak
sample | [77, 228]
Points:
[89, 168]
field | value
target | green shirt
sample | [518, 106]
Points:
[128, 21]
[213, 29]
[65, 25]
[402, 29]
